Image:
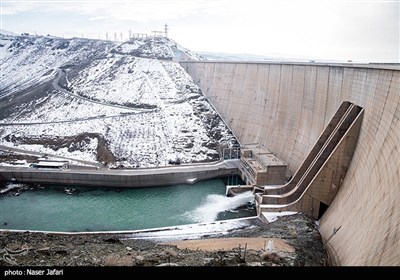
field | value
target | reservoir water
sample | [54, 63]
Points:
[107, 209]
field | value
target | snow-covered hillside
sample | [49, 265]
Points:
[161, 48]
[125, 105]
[28, 60]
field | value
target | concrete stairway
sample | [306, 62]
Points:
[319, 177]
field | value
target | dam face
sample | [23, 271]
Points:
[286, 106]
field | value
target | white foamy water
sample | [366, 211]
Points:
[215, 203]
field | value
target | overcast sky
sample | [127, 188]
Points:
[330, 29]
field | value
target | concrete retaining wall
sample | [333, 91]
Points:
[286, 107]
[116, 179]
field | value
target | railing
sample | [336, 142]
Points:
[248, 168]
[246, 172]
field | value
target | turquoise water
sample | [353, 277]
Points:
[51, 209]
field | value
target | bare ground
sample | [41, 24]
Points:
[72, 143]
[296, 243]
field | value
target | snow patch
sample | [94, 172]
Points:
[273, 216]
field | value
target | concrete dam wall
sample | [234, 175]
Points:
[285, 106]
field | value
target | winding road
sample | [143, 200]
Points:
[56, 86]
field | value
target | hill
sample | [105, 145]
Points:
[121, 105]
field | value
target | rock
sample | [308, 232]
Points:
[111, 240]
[129, 248]
[170, 252]
[60, 250]
[207, 260]
[254, 264]
[271, 257]
[168, 264]
[270, 246]
[44, 251]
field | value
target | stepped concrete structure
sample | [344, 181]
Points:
[315, 184]
[260, 166]
[287, 106]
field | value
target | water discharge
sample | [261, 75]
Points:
[216, 203]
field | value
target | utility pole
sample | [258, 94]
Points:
[130, 34]
[106, 36]
[115, 36]
[120, 34]
[166, 30]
